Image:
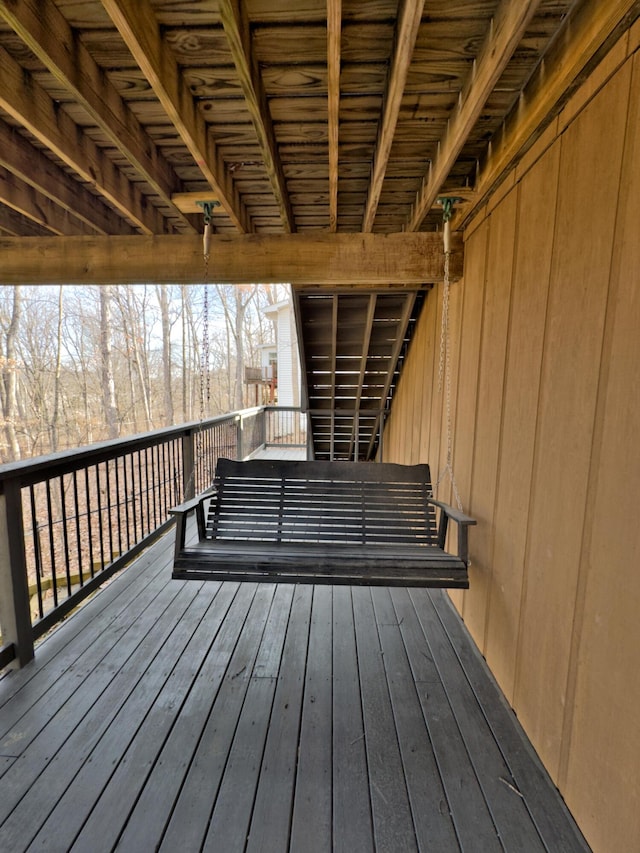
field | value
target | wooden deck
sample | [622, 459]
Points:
[184, 716]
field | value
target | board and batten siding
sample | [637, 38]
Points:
[545, 417]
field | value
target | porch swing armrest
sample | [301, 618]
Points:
[462, 520]
[182, 512]
[191, 504]
[454, 514]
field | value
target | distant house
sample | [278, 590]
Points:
[286, 369]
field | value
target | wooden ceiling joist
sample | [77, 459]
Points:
[504, 35]
[316, 260]
[331, 379]
[366, 342]
[13, 224]
[409, 18]
[27, 102]
[236, 26]
[24, 200]
[334, 29]
[393, 361]
[44, 29]
[584, 32]
[30, 165]
[138, 26]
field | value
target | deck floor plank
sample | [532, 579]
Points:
[56, 744]
[85, 789]
[548, 811]
[508, 810]
[432, 821]
[311, 824]
[127, 780]
[468, 808]
[171, 714]
[231, 817]
[392, 820]
[63, 658]
[352, 820]
[147, 819]
[192, 812]
[271, 819]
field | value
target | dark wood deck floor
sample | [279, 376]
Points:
[187, 716]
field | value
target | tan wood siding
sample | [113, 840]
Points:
[545, 447]
[495, 318]
[604, 691]
[521, 394]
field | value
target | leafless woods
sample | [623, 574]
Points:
[83, 364]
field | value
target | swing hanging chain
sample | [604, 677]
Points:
[205, 379]
[444, 367]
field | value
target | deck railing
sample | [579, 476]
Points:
[69, 520]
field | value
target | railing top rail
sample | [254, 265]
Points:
[40, 468]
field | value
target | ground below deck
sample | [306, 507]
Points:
[178, 715]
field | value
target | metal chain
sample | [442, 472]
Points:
[444, 324]
[205, 380]
[444, 371]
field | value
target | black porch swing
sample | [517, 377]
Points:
[331, 522]
[321, 522]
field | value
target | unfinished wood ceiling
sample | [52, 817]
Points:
[353, 346]
[294, 115]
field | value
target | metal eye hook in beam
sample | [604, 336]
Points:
[207, 209]
[447, 203]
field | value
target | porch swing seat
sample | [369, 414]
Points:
[320, 522]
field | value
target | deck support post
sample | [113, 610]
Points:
[188, 466]
[239, 438]
[15, 612]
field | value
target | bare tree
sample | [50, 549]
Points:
[235, 301]
[106, 350]
[10, 377]
[134, 350]
[55, 414]
[164, 301]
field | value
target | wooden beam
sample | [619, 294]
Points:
[137, 24]
[586, 30]
[409, 18]
[192, 202]
[505, 32]
[14, 224]
[28, 163]
[236, 26]
[45, 30]
[313, 260]
[27, 102]
[334, 29]
[371, 311]
[25, 200]
[393, 361]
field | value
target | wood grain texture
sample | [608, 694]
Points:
[569, 383]
[138, 26]
[602, 689]
[536, 206]
[32, 107]
[30, 165]
[45, 30]
[507, 28]
[311, 259]
[236, 27]
[409, 19]
[583, 33]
